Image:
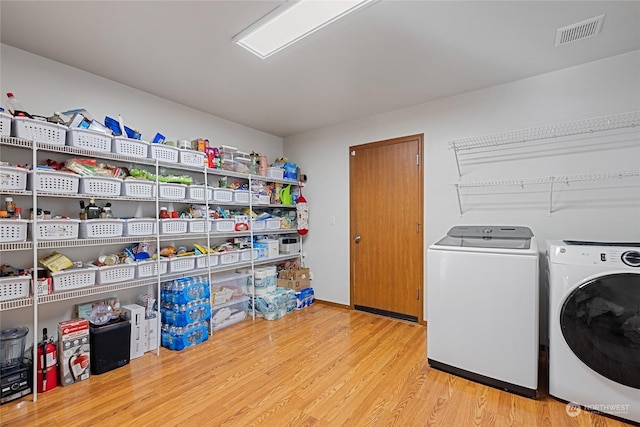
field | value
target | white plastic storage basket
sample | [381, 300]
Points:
[139, 227]
[192, 157]
[199, 225]
[164, 153]
[39, 131]
[241, 196]
[12, 178]
[5, 124]
[178, 264]
[74, 278]
[115, 273]
[229, 257]
[174, 226]
[199, 192]
[172, 191]
[53, 182]
[277, 173]
[207, 260]
[55, 229]
[129, 147]
[222, 195]
[245, 254]
[138, 188]
[273, 224]
[101, 228]
[89, 140]
[258, 225]
[13, 230]
[14, 287]
[223, 225]
[150, 268]
[260, 199]
[100, 186]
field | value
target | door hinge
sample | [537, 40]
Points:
[353, 153]
[417, 293]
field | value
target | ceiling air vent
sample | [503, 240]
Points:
[579, 31]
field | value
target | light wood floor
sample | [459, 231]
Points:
[321, 366]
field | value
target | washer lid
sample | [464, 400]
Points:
[478, 236]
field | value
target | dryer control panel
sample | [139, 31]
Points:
[592, 254]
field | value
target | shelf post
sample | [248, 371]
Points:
[459, 202]
[551, 180]
[455, 153]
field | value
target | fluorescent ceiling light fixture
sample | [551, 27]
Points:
[293, 21]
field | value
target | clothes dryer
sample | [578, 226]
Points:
[482, 299]
[594, 325]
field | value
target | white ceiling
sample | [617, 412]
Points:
[390, 55]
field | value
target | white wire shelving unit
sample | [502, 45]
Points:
[549, 132]
[550, 181]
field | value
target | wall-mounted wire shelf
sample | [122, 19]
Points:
[578, 127]
[547, 180]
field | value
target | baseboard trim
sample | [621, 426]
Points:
[330, 303]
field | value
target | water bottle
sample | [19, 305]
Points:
[15, 107]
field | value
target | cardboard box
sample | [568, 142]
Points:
[293, 284]
[295, 274]
[74, 352]
[135, 314]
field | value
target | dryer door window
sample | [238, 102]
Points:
[600, 321]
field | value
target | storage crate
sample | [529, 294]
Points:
[172, 191]
[150, 268]
[223, 225]
[222, 195]
[13, 230]
[129, 147]
[164, 153]
[55, 229]
[199, 225]
[241, 196]
[139, 227]
[48, 181]
[174, 226]
[89, 139]
[12, 178]
[101, 228]
[184, 263]
[260, 199]
[258, 225]
[100, 186]
[246, 254]
[199, 192]
[230, 313]
[273, 224]
[115, 273]
[276, 173]
[192, 157]
[234, 283]
[138, 188]
[39, 131]
[74, 278]
[5, 124]
[229, 257]
[14, 287]
[207, 260]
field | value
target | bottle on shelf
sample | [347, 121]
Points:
[92, 210]
[18, 214]
[15, 107]
[83, 213]
[11, 206]
[164, 213]
[106, 211]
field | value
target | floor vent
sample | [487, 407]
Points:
[579, 31]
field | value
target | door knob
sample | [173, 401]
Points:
[357, 239]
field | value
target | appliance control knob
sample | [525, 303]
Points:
[631, 258]
[487, 230]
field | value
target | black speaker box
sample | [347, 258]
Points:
[110, 345]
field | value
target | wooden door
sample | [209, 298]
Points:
[386, 211]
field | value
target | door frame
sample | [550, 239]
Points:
[419, 196]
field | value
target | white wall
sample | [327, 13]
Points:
[596, 89]
[44, 86]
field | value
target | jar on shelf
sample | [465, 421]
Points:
[164, 213]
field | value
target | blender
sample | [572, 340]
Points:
[15, 370]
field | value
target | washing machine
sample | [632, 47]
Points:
[594, 325]
[482, 302]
